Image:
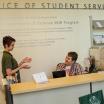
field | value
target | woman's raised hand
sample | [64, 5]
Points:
[25, 66]
[26, 60]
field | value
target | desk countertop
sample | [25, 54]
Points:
[56, 83]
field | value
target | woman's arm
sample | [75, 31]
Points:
[60, 66]
[10, 72]
[25, 60]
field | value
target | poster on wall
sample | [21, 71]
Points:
[98, 32]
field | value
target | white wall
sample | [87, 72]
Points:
[24, 25]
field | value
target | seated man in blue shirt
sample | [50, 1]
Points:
[70, 65]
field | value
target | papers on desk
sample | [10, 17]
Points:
[40, 77]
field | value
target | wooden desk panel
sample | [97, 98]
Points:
[56, 83]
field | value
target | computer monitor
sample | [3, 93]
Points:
[58, 74]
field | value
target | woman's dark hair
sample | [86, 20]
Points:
[74, 55]
[7, 40]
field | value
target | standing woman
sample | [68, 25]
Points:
[10, 67]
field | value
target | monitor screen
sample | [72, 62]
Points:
[58, 74]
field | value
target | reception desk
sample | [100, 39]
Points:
[64, 90]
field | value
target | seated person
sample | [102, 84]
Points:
[70, 65]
